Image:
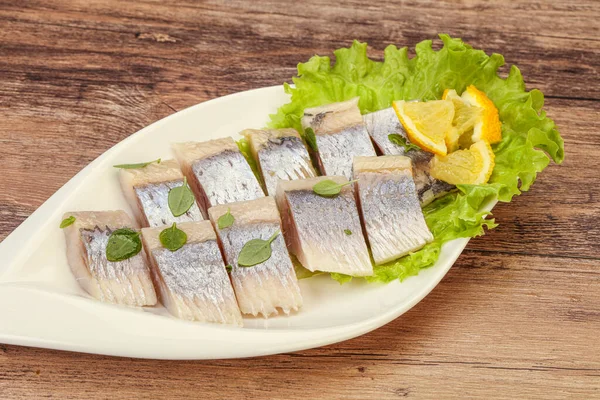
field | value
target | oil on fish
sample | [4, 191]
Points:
[192, 281]
[390, 208]
[340, 135]
[147, 191]
[281, 155]
[324, 233]
[265, 288]
[217, 172]
[126, 282]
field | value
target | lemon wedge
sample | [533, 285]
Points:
[488, 126]
[470, 166]
[465, 118]
[427, 123]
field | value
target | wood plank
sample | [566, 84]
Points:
[559, 215]
[51, 131]
[229, 47]
[509, 303]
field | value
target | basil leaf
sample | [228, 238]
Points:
[136, 166]
[228, 268]
[225, 220]
[123, 244]
[67, 221]
[329, 188]
[172, 238]
[256, 251]
[311, 138]
[348, 232]
[401, 141]
[180, 199]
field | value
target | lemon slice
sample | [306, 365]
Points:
[426, 123]
[470, 166]
[465, 118]
[488, 127]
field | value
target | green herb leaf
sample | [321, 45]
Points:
[348, 232]
[123, 244]
[256, 251]
[67, 221]
[180, 199]
[329, 188]
[229, 268]
[136, 166]
[311, 138]
[172, 238]
[401, 141]
[225, 220]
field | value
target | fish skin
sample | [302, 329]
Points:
[154, 201]
[217, 172]
[126, 282]
[390, 208]
[265, 288]
[314, 227]
[340, 135]
[281, 155]
[192, 281]
[147, 192]
[384, 122]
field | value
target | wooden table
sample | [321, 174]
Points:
[518, 316]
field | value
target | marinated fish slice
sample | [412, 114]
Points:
[384, 122]
[324, 233]
[147, 192]
[192, 281]
[340, 134]
[126, 282]
[390, 208]
[271, 285]
[217, 172]
[281, 155]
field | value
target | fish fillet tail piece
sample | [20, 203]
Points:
[147, 192]
[192, 281]
[390, 208]
[280, 154]
[217, 172]
[340, 135]
[380, 124]
[269, 286]
[324, 233]
[126, 282]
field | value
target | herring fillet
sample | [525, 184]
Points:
[390, 208]
[384, 122]
[315, 227]
[217, 172]
[340, 133]
[126, 282]
[192, 281]
[281, 155]
[147, 192]
[271, 285]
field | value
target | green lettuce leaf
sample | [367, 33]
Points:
[244, 146]
[529, 138]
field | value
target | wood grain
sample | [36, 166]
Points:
[516, 317]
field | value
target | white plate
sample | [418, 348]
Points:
[42, 305]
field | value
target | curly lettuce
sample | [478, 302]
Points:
[529, 138]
